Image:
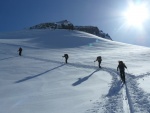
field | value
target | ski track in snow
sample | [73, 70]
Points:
[112, 102]
[119, 95]
[139, 100]
[130, 95]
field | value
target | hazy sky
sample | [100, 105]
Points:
[105, 14]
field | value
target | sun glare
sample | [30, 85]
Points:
[136, 14]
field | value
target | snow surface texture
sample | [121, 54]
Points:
[40, 82]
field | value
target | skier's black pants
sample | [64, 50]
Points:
[122, 75]
[66, 60]
[20, 53]
[99, 64]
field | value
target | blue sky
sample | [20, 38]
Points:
[105, 14]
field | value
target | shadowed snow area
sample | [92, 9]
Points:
[39, 81]
[51, 38]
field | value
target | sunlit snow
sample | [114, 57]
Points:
[40, 82]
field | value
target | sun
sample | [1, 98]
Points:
[136, 15]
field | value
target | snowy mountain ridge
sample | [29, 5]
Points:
[65, 24]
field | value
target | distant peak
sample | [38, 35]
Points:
[64, 22]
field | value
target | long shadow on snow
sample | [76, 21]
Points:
[59, 62]
[141, 76]
[53, 61]
[82, 66]
[80, 80]
[31, 77]
[113, 98]
[116, 84]
[45, 60]
[18, 45]
[69, 64]
[7, 58]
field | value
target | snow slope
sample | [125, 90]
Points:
[40, 81]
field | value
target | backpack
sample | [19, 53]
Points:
[121, 65]
[20, 49]
[66, 56]
[99, 58]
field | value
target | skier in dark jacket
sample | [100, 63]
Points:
[99, 59]
[20, 51]
[66, 57]
[121, 67]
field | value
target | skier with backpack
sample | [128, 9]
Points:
[121, 67]
[66, 57]
[99, 59]
[20, 51]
